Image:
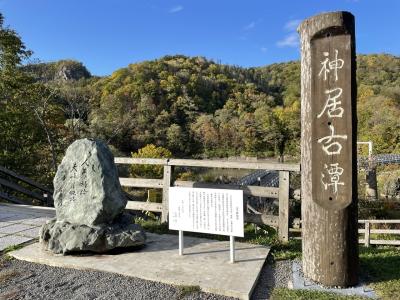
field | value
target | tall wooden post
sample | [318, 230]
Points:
[328, 149]
[165, 195]
[283, 229]
[371, 185]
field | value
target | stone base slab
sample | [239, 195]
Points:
[302, 283]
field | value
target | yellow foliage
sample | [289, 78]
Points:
[364, 92]
[149, 171]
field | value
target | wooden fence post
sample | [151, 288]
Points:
[371, 186]
[366, 234]
[328, 149]
[165, 197]
[283, 229]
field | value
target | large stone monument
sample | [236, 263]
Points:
[89, 204]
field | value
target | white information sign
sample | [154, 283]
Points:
[215, 211]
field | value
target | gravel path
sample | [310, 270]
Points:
[272, 275]
[24, 280]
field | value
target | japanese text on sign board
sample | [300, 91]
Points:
[215, 211]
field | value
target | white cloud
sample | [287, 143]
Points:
[292, 25]
[250, 26]
[291, 40]
[176, 9]
[263, 49]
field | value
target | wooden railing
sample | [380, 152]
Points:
[11, 181]
[367, 231]
[281, 193]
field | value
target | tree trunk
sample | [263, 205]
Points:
[49, 140]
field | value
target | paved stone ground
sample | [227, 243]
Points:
[21, 223]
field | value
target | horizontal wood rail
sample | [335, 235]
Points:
[262, 219]
[367, 231]
[10, 198]
[141, 182]
[380, 242]
[210, 163]
[381, 231]
[140, 205]
[11, 181]
[257, 191]
[26, 180]
[140, 161]
[22, 190]
[282, 192]
[379, 221]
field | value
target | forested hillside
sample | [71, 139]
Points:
[192, 106]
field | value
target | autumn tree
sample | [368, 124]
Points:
[145, 170]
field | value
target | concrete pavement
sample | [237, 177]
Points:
[21, 223]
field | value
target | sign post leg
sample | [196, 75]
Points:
[180, 242]
[232, 249]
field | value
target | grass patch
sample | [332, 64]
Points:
[154, 226]
[5, 257]
[265, 235]
[12, 248]
[381, 265]
[291, 250]
[185, 290]
[284, 293]
[268, 236]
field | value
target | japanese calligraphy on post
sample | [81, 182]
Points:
[332, 121]
[215, 211]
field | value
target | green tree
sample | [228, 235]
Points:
[206, 132]
[20, 138]
[378, 119]
[196, 107]
[28, 113]
[149, 171]
[176, 139]
[283, 129]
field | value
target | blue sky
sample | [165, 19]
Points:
[107, 35]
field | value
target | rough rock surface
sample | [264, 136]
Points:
[62, 237]
[86, 186]
[89, 204]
